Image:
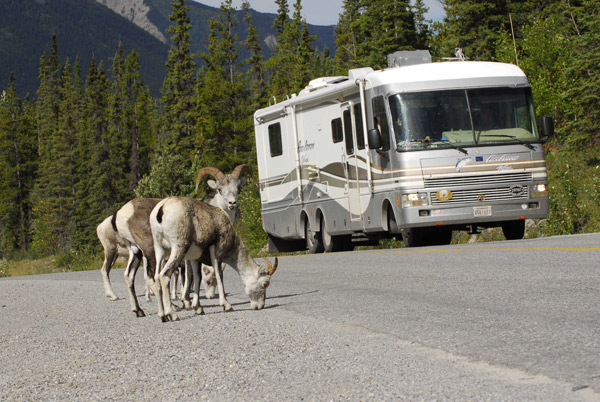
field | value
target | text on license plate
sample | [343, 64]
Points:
[482, 211]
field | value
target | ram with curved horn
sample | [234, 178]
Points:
[227, 189]
[186, 228]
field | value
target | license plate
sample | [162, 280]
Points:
[482, 211]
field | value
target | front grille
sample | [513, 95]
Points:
[479, 196]
[472, 180]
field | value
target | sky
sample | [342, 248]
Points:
[318, 12]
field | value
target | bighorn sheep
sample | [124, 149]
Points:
[132, 225]
[189, 228]
[115, 247]
[226, 195]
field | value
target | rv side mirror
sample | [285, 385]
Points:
[547, 126]
[374, 138]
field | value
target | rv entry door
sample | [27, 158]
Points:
[356, 161]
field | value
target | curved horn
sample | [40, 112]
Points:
[240, 170]
[208, 171]
[271, 267]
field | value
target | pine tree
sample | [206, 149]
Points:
[18, 157]
[139, 113]
[95, 190]
[178, 86]
[421, 25]
[224, 101]
[543, 48]
[348, 35]
[477, 25]
[281, 19]
[583, 74]
[359, 44]
[280, 64]
[118, 136]
[303, 49]
[50, 228]
[291, 61]
[256, 72]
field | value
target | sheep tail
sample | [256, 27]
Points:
[159, 215]
[113, 222]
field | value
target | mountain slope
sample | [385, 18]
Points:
[84, 28]
[135, 11]
[93, 28]
[155, 15]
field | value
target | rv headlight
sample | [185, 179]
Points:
[414, 200]
[539, 190]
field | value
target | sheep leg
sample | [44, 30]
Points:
[185, 285]
[222, 299]
[110, 256]
[159, 252]
[148, 288]
[182, 277]
[174, 280]
[132, 266]
[163, 276]
[195, 265]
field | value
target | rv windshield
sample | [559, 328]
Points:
[463, 118]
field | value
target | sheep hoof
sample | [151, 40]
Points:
[187, 305]
[174, 317]
[140, 313]
[199, 311]
[164, 319]
[228, 308]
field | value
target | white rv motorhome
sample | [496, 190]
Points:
[416, 150]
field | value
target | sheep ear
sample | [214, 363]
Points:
[242, 182]
[212, 184]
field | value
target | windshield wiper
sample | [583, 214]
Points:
[427, 142]
[512, 137]
[461, 149]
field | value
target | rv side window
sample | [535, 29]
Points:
[275, 139]
[381, 122]
[336, 130]
[360, 136]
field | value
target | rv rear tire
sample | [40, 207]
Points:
[335, 243]
[314, 243]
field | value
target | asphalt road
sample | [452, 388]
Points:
[502, 321]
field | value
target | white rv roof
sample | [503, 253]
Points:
[445, 72]
[429, 76]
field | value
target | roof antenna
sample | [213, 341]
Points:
[512, 28]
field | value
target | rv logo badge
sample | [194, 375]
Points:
[516, 190]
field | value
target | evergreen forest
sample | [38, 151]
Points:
[83, 145]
